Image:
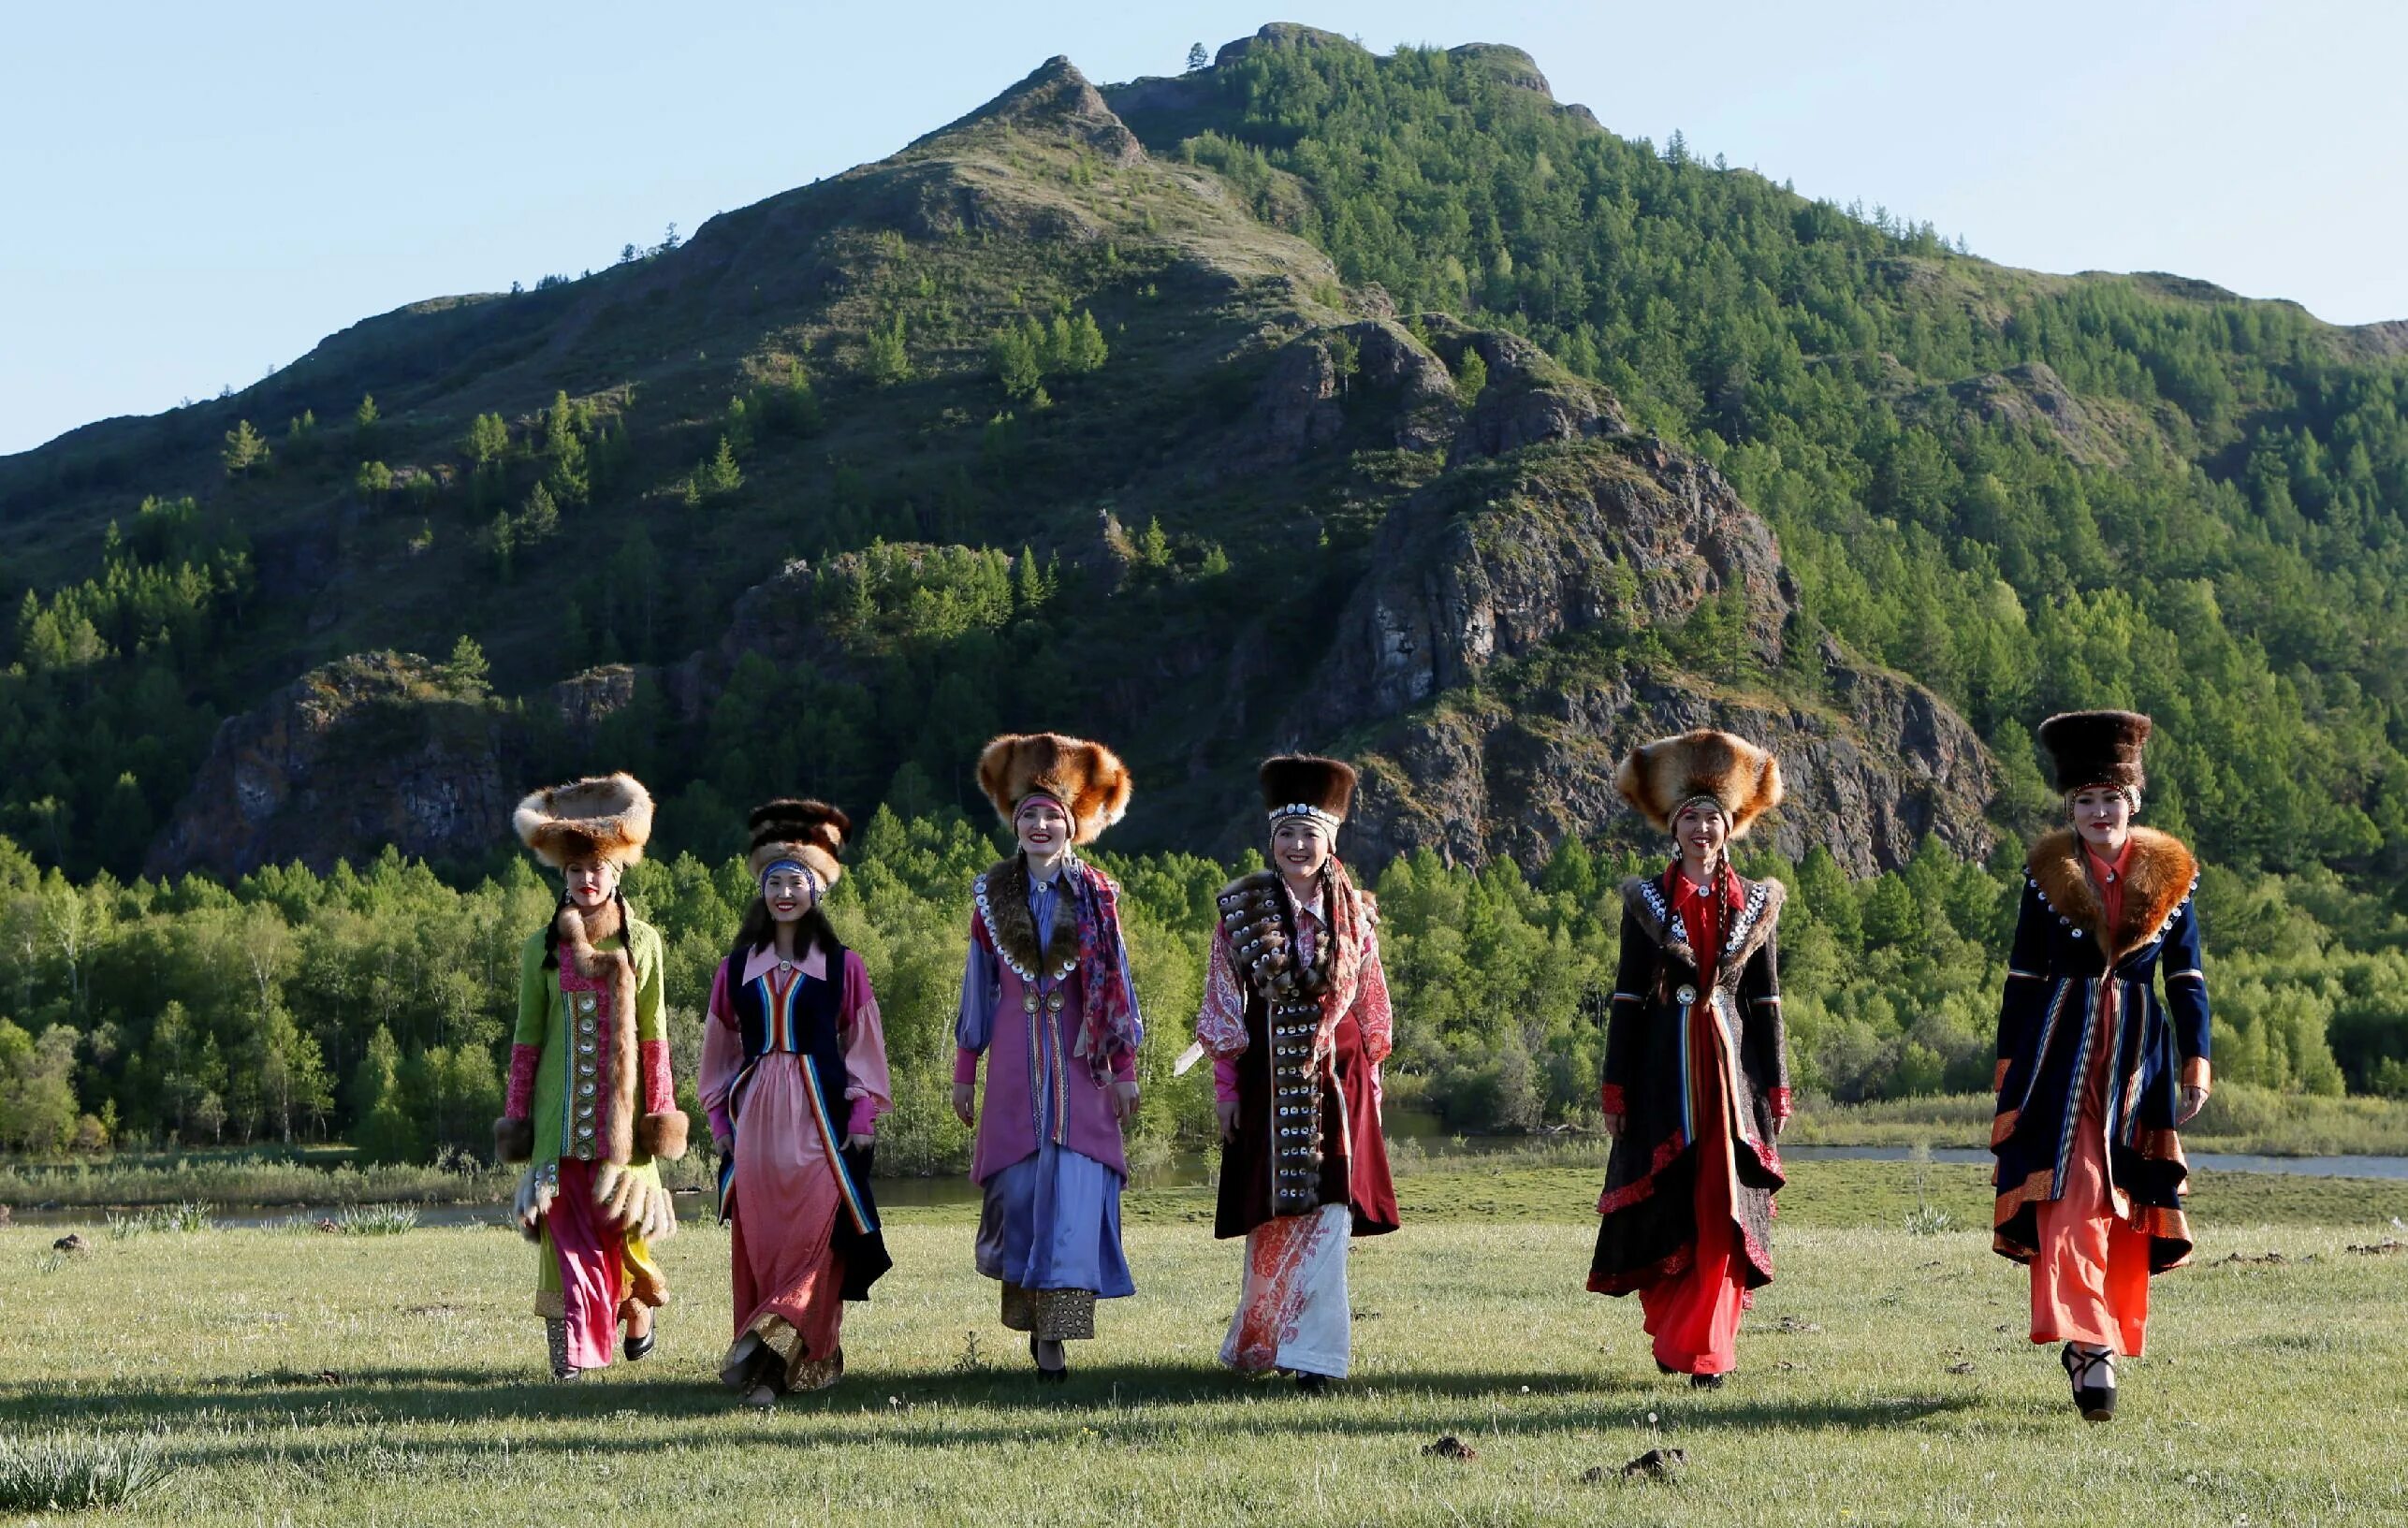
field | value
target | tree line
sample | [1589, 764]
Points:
[375, 1005]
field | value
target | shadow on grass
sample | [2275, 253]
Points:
[942, 1408]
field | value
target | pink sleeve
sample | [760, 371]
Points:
[867, 1085]
[722, 1054]
[1224, 1081]
[965, 1065]
[1371, 1009]
[653, 1061]
[1221, 1023]
[524, 1059]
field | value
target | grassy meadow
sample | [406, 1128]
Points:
[302, 1379]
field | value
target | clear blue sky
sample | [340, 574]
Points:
[190, 195]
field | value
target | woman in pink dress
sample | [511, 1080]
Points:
[793, 1076]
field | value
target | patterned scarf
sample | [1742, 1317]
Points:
[1109, 1025]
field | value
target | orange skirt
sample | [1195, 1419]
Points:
[2089, 1274]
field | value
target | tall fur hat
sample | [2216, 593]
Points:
[606, 817]
[1660, 778]
[810, 833]
[1087, 778]
[2097, 748]
[1304, 785]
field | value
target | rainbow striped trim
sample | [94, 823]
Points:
[845, 1185]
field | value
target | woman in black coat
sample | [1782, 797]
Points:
[1696, 1060]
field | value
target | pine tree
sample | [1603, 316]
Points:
[567, 476]
[721, 476]
[487, 439]
[499, 538]
[1197, 57]
[890, 362]
[464, 672]
[1084, 350]
[540, 519]
[364, 417]
[1015, 360]
[373, 480]
[245, 448]
[1472, 377]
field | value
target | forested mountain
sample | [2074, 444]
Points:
[1379, 405]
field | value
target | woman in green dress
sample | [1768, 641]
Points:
[589, 1105]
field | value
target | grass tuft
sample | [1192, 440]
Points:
[68, 1471]
[376, 1220]
[189, 1216]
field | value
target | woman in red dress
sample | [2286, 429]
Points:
[1696, 1061]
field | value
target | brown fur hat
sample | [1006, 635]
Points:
[2097, 748]
[1087, 778]
[606, 817]
[1659, 776]
[809, 832]
[1303, 784]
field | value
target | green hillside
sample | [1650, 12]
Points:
[1378, 404]
[1027, 330]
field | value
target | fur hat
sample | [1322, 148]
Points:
[1087, 778]
[606, 817]
[2097, 748]
[1304, 785]
[811, 833]
[1660, 778]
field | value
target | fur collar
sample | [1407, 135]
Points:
[2158, 878]
[1003, 900]
[1744, 930]
[1253, 912]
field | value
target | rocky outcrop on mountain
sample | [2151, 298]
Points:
[1529, 396]
[1869, 775]
[367, 751]
[1056, 99]
[2033, 396]
[1496, 565]
[1503, 653]
[375, 749]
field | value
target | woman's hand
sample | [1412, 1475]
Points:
[1225, 1110]
[1124, 1102]
[1613, 1124]
[2193, 1100]
[726, 1144]
[965, 1103]
[862, 1140]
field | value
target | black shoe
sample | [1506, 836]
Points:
[1664, 1368]
[2096, 1402]
[639, 1349]
[1050, 1376]
[1707, 1382]
[1312, 1384]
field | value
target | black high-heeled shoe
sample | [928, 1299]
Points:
[2096, 1402]
[1707, 1382]
[639, 1349]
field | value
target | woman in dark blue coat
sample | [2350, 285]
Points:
[2095, 1069]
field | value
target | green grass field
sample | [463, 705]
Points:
[1884, 1378]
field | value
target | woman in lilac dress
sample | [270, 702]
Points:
[1046, 999]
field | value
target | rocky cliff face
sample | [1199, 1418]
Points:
[1504, 652]
[374, 750]
[365, 751]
